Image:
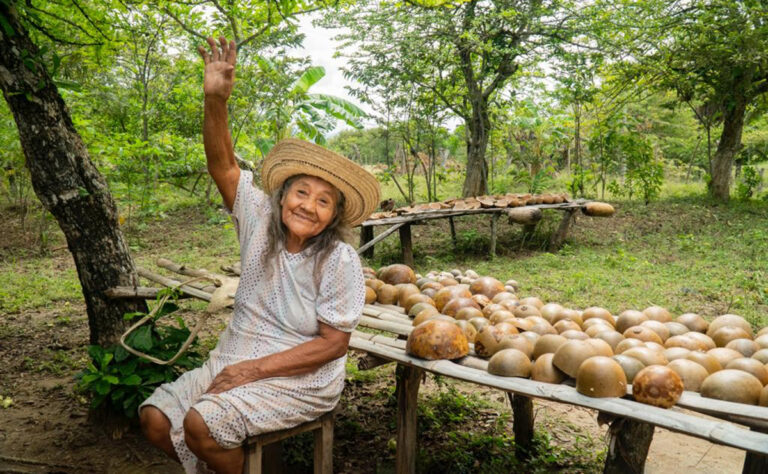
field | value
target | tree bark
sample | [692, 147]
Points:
[478, 129]
[727, 147]
[66, 182]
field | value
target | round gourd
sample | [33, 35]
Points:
[532, 301]
[685, 342]
[726, 334]
[568, 314]
[674, 353]
[629, 365]
[414, 299]
[642, 333]
[732, 386]
[693, 322]
[404, 290]
[479, 323]
[549, 311]
[705, 360]
[501, 316]
[610, 336]
[544, 371]
[627, 344]
[600, 313]
[570, 355]
[732, 320]
[657, 327]
[487, 286]
[724, 355]
[454, 305]
[646, 355]
[525, 310]
[691, 373]
[487, 341]
[386, 294]
[501, 296]
[424, 315]
[708, 342]
[509, 363]
[374, 284]
[468, 313]
[657, 385]
[370, 295]
[761, 355]
[437, 339]
[547, 344]
[676, 329]
[601, 377]
[575, 334]
[507, 328]
[629, 318]
[419, 307]
[469, 330]
[481, 300]
[566, 325]
[519, 342]
[396, 274]
[601, 347]
[657, 313]
[747, 347]
[752, 366]
[446, 294]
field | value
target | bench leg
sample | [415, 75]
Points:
[522, 424]
[562, 230]
[628, 448]
[408, 381]
[253, 457]
[324, 447]
[406, 245]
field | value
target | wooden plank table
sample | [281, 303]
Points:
[403, 223]
[632, 423]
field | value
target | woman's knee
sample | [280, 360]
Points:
[154, 424]
[196, 433]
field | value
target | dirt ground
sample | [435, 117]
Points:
[47, 428]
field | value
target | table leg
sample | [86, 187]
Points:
[522, 424]
[406, 245]
[755, 463]
[494, 227]
[559, 236]
[407, 390]
[366, 235]
[628, 448]
[453, 232]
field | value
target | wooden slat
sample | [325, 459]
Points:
[169, 282]
[715, 431]
[379, 238]
[443, 213]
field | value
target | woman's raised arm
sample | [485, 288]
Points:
[219, 78]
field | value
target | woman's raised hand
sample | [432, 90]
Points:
[219, 74]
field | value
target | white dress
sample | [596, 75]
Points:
[274, 311]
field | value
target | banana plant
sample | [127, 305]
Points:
[297, 112]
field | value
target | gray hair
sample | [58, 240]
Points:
[320, 245]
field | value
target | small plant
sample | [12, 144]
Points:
[750, 180]
[123, 381]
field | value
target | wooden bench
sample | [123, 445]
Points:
[404, 222]
[323, 458]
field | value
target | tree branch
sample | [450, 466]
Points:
[183, 25]
[77, 5]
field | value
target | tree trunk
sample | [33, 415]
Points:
[66, 182]
[727, 147]
[478, 128]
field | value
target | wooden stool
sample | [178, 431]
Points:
[323, 428]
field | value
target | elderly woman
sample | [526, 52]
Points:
[280, 361]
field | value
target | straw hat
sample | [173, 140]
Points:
[292, 156]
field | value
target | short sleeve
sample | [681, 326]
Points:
[251, 207]
[342, 289]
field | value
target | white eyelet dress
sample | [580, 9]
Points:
[274, 311]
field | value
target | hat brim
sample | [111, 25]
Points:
[292, 156]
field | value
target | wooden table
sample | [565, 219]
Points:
[632, 423]
[404, 222]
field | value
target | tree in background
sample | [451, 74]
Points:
[462, 53]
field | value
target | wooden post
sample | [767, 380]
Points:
[522, 424]
[407, 390]
[569, 215]
[494, 226]
[755, 463]
[628, 448]
[453, 232]
[323, 447]
[366, 235]
[406, 245]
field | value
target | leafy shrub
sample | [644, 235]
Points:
[749, 181]
[121, 380]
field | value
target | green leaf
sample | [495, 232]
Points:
[111, 379]
[102, 387]
[131, 380]
[87, 379]
[143, 338]
[307, 79]
[129, 316]
[96, 352]
[7, 28]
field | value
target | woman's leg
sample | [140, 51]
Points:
[200, 442]
[157, 429]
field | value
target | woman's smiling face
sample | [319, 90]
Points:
[308, 207]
